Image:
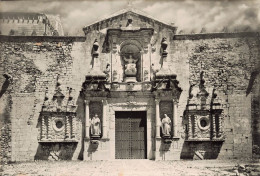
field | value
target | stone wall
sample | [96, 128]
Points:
[34, 63]
[227, 61]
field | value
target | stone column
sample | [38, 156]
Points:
[157, 119]
[195, 127]
[49, 136]
[213, 127]
[67, 127]
[44, 131]
[175, 119]
[221, 117]
[104, 118]
[87, 118]
[73, 130]
[189, 128]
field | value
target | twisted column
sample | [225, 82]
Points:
[213, 127]
[221, 125]
[44, 130]
[67, 127]
[49, 128]
[189, 127]
[73, 133]
[195, 127]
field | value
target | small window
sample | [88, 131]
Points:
[203, 123]
[59, 124]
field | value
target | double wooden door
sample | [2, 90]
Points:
[130, 135]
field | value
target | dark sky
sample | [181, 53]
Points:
[187, 15]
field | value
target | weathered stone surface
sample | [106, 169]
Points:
[34, 62]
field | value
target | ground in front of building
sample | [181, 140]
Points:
[133, 168]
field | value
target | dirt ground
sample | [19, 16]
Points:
[132, 168]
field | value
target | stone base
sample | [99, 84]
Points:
[130, 79]
[94, 151]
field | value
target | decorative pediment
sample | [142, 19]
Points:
[59, 102]
[202, 98]
[124, 18]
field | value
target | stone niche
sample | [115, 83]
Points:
[129, 50]
[58, 117]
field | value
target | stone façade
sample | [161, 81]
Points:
[33, 63]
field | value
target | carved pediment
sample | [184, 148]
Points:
[121, 19]
[202, 98]
[59, 102]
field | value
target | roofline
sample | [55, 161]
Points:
[129, 10]
[215, 35]
[23, 39]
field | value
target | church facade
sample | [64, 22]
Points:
[131, 88]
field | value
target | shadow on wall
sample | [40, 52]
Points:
[6, 84]
[200, 150]
[81, 113]
[55, 151]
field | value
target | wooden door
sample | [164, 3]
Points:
[130, 135]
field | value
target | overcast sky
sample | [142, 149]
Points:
[187, 15]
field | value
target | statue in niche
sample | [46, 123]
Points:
[130, 69]
[166, 125]
[95, 129]
[130, 66]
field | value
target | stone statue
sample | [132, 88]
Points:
[166, 125]
[130, 66]
[95, 126]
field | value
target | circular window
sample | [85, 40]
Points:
[58, 124]
[203, 123]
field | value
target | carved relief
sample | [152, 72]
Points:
[58, 117]
[57, 128]
[204, 114]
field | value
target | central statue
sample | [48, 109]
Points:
[130, 69]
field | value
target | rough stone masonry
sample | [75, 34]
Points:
[209, 68]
